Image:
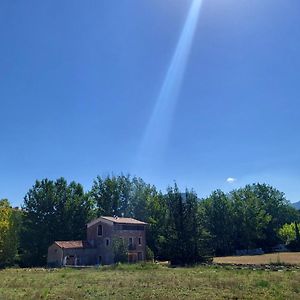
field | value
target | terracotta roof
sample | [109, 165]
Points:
[124, 220]
[117, 220]
[73, 244]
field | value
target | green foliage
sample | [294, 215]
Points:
[291, 231]
[287, 233]
[9, 225]
[122, 195]
[262, 284]
[107, 193]
[297, 232]
[149, 254]
[246, 218]
[120, 250]
[53, 210]
[250, 218]
[186, 236]
[219, 220]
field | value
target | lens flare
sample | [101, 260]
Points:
[157, 131]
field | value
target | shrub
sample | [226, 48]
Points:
[149, 254]
[120, 250]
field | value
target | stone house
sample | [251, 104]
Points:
[98, 247]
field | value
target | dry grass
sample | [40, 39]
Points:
[292, 258]
[150, 282]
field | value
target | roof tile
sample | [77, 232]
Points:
[73, 244]
[124, 220]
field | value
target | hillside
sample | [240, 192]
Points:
[296, 205]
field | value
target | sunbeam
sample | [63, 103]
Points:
[158, 128]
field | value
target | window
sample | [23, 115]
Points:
[140, 241]
[133, 227]
[100, 230]
[130, 241]
[107, 242]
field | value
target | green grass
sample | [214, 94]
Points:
[147, 281]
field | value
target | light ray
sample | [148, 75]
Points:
[157, 131]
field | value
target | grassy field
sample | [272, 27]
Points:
[292, 258]
[148, 282]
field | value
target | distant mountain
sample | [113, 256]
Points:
[296, 205]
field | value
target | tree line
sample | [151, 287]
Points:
[181, 227]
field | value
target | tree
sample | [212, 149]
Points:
[277, 207]
[185, 235]
[295, 244]
[219, 221]
[53, 210]
[287, 233]
[9, 226]
[111, 195]
[250, 219]
[157, 230]
[149, 254]
[198, 240]
[122, 196]
[120, 250]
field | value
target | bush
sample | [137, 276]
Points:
[120, 251]
[149, 254]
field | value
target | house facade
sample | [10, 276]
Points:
[98, 247]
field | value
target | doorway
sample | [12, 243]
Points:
[132, 258]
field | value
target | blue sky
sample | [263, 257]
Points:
[79, 82]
